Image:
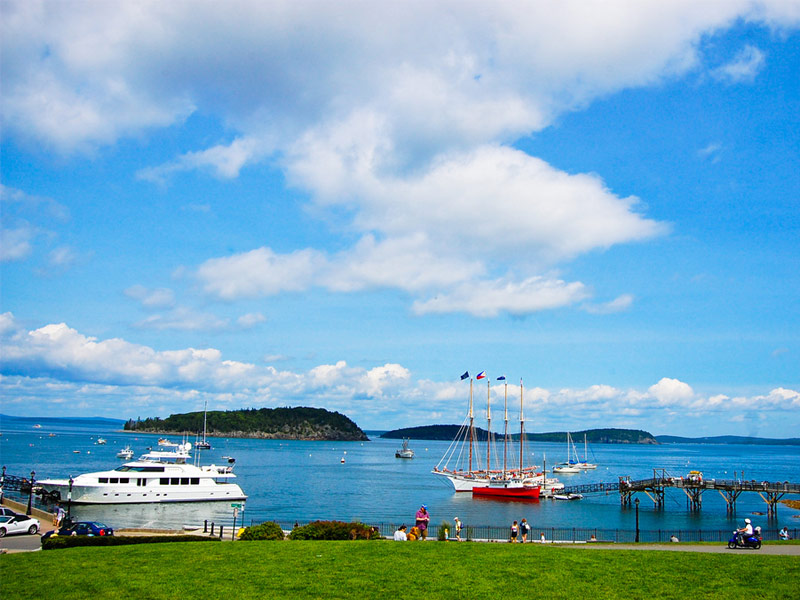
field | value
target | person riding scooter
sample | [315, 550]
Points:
[745, 532]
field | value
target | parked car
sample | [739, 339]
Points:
[7, 512]
[18, 524]
[82, 528]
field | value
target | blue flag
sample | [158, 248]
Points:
[501, 378]
[465, 375]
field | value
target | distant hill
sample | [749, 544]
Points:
[595, 436]
[300, 423]
[95, 420]
[728, 439]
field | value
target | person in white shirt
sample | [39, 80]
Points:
[400, 534]
[746, 531]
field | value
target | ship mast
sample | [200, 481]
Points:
[505, 429]
[205, 408]
[471, 425]
[521, 428]
[488, 425]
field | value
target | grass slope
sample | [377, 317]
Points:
[385, 569]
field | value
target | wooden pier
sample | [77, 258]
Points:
[693, 486]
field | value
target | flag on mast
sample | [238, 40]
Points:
[501, 378]
[481, 375]
[465, 375]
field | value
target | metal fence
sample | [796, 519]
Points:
[494, 533]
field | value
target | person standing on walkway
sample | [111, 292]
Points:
[514, 532]
[422, 520]
[524, 529]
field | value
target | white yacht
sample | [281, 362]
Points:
[154, 477]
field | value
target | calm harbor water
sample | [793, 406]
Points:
[290, 481]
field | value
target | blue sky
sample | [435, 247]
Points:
[347, 205]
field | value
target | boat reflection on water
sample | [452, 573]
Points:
[178, 515]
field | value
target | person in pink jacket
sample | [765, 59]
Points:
[423, 518]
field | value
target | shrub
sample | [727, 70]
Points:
[269, 530]
[334, 530]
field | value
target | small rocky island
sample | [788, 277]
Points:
[299, 423]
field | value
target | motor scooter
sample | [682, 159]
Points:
[739, 541]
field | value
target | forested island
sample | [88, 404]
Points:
[595, 436]
[299, 423]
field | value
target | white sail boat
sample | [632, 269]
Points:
[203, 444]
[570, 466]
[461, 464]
[585, 465]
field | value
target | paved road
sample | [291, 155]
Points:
[21, 543]
[774, 549]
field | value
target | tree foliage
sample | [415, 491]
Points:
[278, 423]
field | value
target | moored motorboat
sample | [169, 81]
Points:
[125, 453]
[567, 496]
[405, 451]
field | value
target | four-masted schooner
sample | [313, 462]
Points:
[461, 464]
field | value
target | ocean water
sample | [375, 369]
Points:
[296, 481]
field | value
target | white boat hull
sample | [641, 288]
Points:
[149, 480]
[102, 494]
[565, 469]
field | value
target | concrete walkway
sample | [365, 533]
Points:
[719, 548]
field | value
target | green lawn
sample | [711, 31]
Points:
[385, 569]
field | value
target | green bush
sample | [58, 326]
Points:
[444, 529]
[58, 542]
[334, 530]
[269, 530]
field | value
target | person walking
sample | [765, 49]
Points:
[457, 528]
[514, 532]
[422, 520]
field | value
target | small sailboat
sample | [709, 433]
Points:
[585, 465]
[570, 466]
[405, 451]
[101, 441]
[203, 444]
